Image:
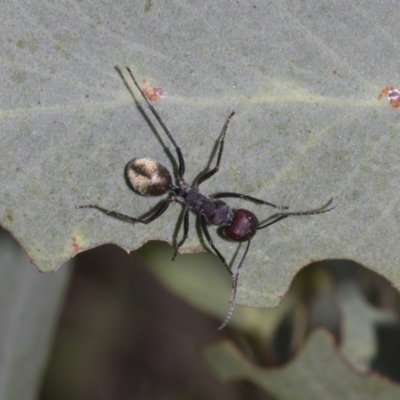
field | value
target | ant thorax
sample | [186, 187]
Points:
[215, 211]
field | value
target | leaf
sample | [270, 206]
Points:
[302, 77]
[360, 341]
[317, 363]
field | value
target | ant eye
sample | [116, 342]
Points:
[243, 227]
[148, 177]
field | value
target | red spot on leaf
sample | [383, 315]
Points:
[75, 246]
[393, 96]
[153, 93]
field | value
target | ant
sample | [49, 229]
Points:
[150, 178]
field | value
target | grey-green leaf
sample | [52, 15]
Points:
[303, 78]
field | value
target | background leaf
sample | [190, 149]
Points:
[303, 78]
[29, 306]
[317, 363]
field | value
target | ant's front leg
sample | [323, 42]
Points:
[209, 174]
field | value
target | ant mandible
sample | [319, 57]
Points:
[150, 178]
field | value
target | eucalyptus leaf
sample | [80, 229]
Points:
[302, 77]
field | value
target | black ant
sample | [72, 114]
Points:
[150, 178]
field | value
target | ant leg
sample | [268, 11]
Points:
[166, 130]
[249, 198]
[321, 210]
[207, 234]
[210, 173]
[185, 232]
[234, 289]
[157, 213]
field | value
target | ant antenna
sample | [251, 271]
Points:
[321, 210]
[234, 289]
[280, 217]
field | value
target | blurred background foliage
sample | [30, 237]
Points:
[124, 335]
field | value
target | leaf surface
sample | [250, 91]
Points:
[303, 78]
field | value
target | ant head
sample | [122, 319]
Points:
[148, 177]
[244, 226]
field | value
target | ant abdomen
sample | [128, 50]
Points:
[148, 177]
[244, 226]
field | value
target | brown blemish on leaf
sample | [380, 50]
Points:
[75, 245]
[393, 96]
[384, 92]
[153, 93]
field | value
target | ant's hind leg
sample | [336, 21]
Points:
[181, 168]
[210, 241]
[185, 232]
[157, 213]
[210, 173]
